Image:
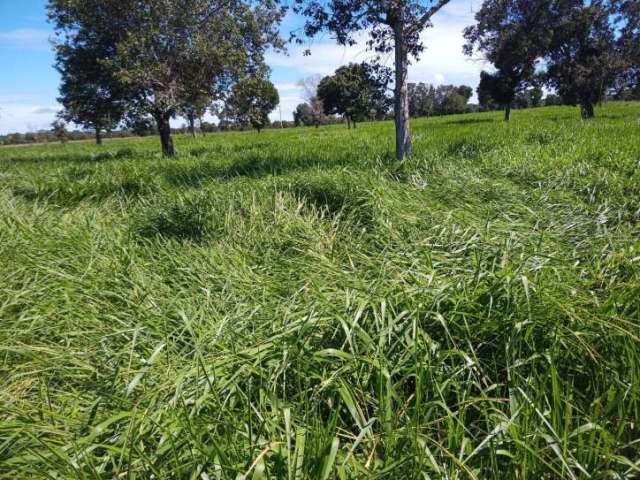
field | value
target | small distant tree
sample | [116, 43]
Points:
[89, 92]
[497, 89]
[394, 25]
[356, 91]
[552, 100]
[251, 101]
[193, 109]
[583, 62]
[422, 100]
[309, 87]
[59, 131]
[513, 35]
[303, 115]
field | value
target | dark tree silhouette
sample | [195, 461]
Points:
[583, 62]
[513, 35]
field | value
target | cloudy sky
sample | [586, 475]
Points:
[29, 84]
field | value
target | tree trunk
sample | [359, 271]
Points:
[507, 112]
[403, 131]
[98, 136]
[164, 128]
[192, 126]
[348, 123]
[587, 111]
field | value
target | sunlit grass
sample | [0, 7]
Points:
[294, 304]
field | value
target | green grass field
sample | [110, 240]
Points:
[294, 304]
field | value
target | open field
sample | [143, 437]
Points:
[294, 304]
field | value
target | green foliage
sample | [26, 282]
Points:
[299, 305]
[513, 35]
[583, 62]
[356, 91]
[173, 54]
[427, 100]
[251, 101]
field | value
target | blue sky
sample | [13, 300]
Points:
[29, 83]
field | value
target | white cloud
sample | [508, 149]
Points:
[25, 117]
[27, 38]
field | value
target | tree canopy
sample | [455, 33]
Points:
[251, 101]
[356, 91]
[513, 35]
[583, 62]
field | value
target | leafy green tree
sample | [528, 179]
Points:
[496, 89]
[170, 49]
[422, 100]
[393, 25]
[251, 101]
[193, 109]
[356, 91]
[89, 93]
[513, 35]
[427, 100]
[583, 62]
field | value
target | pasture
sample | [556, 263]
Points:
[296, 304]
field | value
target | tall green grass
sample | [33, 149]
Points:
[294, 304]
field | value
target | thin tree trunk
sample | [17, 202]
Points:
[192, 126]
[164, 128]
[98, 136]
[587, 111]
[403, 130]
[507, 112]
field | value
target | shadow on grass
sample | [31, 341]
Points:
[76, 157]
[64, 193]
[250, 166]
[470, 121]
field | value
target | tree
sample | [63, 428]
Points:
[170, 49]
[309, 87]
[422, 100]
[356, 91]
[393, 25]
[251, 101]
[427, 100]
[303, 115]
[193, 108]
[628, 13]
[512, 35]
[59, 131]
[583, 62]
[90, 94]
[497, 89]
